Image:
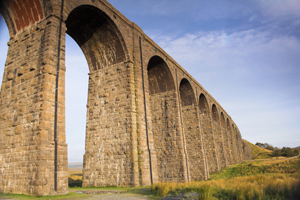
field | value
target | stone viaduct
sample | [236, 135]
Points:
[148, 120]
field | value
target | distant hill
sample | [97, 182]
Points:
[75, 166]
[259, 153]
[298, 148]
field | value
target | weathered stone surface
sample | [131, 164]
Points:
[148, 120]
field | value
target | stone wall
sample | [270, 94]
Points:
[109, 150]
[208, 136]
[226, 139]
[247, 150]
[27, 113]
[194, 143]
[146, 122]
[167, 137]
[218, 138]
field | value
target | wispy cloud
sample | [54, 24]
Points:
[251, 71]
[245, 53]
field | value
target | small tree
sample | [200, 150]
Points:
[277, 152]
[269, 147]
[262, 145]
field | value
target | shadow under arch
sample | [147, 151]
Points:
[187, 95]
[239, 144]
[159, 76]
[214, 111]
[197, 168]
[235, 139]
[218, 136]
[203, 105]
[226, 140]
[107, 142]
[165, 122]
[97, 36]
[223, 120]
[208, 135]
[231, 140]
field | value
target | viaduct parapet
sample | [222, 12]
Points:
[148, 120]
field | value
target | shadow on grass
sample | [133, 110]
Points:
[74, 183]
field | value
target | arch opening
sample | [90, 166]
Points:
[228, 125]
[187, 96]
[208, 135]
[190, 128]
[203, 105]
[104, 49]
[215, 114]
[97, 36]
[222, 120]
[159, 76]
[226, 136]
[76, 81]
[165, 122]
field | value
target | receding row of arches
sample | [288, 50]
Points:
[189, 137]
[187, 131]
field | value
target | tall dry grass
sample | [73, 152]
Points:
[251, 187]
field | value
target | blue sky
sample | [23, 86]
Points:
[246, 54]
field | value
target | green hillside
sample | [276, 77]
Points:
[260, 153]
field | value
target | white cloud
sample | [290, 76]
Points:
[252, 74]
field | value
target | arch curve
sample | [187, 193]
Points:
[203, 104]
[228, 124]
[97, 35]
[223, 123]
[187, 95]
[19, 14]
[215, 114]
[159, 76]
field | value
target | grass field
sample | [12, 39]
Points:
[259, 153]
[265, 178]
[272, 179]
[75, 178]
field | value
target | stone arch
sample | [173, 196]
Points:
[160, 78]
[234, 138]
[208, 135]
[236, 143]
[104, 48]
[223, 120]
[35, 84]
[239, 144]
[218, 136]
[214, 113]
[166, 126]
[203, 105]
[191, 130]
[228, 124]
[227, 145]
[19, 14]
[186, 91]
[232, 141]
[97, 36]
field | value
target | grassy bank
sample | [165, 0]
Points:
[275, 179]
[255, 179]
[258, 152]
